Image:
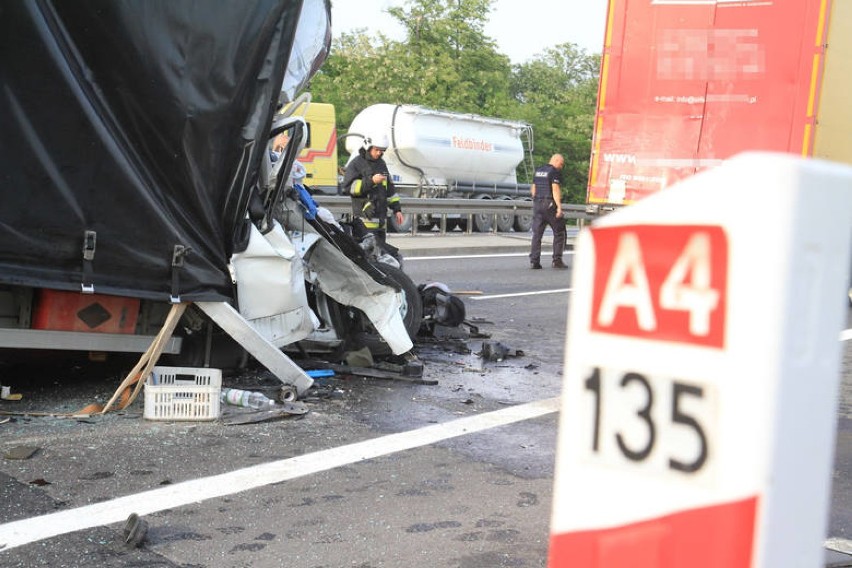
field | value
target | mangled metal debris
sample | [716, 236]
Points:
[20, 452]
[409, 371]
[495, 351]
[233, 416]
[135, 530]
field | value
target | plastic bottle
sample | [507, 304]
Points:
[248, 399]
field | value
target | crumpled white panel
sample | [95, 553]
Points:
[271, 287]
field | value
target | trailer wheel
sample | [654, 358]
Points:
[505, 221]
[424, 223]
[482, 222]
[523, 223]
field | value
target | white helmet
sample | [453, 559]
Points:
[380, 141]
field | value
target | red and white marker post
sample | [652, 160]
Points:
[702, 363]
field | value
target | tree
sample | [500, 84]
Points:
[342, 80]
[446, 61]
[558, 93]
[448, 57]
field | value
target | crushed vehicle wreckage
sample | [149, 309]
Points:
[141, 210]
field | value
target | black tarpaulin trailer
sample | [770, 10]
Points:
[131, 139]
[131, 136]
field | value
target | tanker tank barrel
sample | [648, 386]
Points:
[443, 147]
[444, 154]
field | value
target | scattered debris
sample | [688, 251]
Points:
[320, 373]
[440, 307]
[409, 372]
[287, 393]
[33, 413]
[135, 530]
[496, 351]
[434, 333]
[251, 416]
[6, 394]
[361, 358]
[407, 367]
[443, 332]
[20, 452]
[474, 331]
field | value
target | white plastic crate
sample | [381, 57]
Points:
[182, 393]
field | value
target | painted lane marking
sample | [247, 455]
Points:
[18, 533]
[464, 256]
[846, 335]
[517, 294]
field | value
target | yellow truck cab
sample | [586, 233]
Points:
[319, 157]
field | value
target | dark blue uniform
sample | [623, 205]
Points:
[544, 213]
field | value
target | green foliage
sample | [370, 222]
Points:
[558, 95]
[447, 62]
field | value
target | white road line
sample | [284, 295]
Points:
[18, 533]
[450, 257]
[516, 294]
[496, 255]
[846, 335]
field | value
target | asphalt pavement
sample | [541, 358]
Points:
[88, 467]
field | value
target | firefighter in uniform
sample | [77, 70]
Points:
[547, 210]
[368, 182]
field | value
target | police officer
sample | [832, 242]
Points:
[368, 182]
[547, 210]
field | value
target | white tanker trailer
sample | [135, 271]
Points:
[435, 153]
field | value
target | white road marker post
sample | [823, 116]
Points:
[702, 362]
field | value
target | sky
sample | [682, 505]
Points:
[521, 28]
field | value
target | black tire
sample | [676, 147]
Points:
[523, 223]
[483, 223]
[505, 221]
[425, 223]
[412, 314]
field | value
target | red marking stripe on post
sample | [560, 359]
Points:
[709, 537]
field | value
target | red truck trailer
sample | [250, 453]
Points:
[686, 84]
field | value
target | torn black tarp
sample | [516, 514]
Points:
[133, 131]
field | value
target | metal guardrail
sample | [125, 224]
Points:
[341, 204]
